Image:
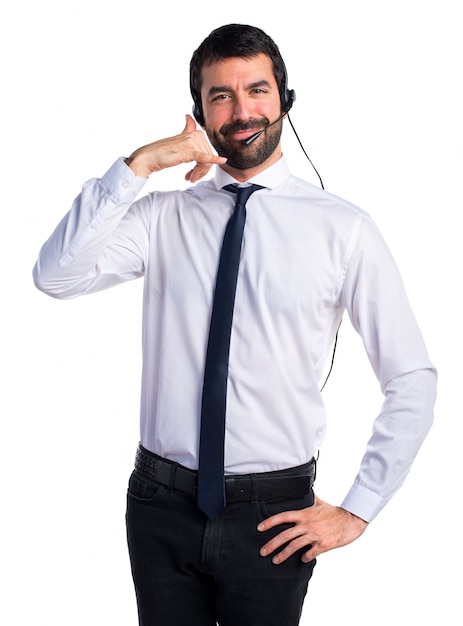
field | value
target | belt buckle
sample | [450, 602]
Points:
[237, 489]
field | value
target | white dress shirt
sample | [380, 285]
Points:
[307, 256]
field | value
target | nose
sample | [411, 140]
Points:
[241, 110]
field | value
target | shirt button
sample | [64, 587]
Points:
[125, 184]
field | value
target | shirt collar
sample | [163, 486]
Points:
[270, 177]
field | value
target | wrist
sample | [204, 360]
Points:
[137, 167]
[358, 521]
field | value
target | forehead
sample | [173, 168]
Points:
[236, 72]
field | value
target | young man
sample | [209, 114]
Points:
[306, 256]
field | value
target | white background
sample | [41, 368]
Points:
[378, 109]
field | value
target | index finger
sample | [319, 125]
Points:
[287, 517]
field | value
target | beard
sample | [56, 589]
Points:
[238, 154]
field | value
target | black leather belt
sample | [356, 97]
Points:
[279, 485]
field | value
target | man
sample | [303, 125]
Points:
[306, 256]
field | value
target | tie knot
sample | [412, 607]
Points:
[242, 193]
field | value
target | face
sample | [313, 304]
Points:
[240, 96]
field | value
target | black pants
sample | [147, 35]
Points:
[190, 571]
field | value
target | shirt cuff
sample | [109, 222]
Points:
[122, 182]
[363, 502]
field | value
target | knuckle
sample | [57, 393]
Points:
[286, 535]
[298, 543]
[273, 544]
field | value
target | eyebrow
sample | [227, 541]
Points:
[225, 88]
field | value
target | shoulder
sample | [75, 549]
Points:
[323, 199]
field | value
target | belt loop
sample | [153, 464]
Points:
[254, 489]
[173, 472]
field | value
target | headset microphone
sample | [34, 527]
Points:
[252, 138]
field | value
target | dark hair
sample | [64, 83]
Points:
[234, 40]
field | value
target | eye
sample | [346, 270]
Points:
[220, 96]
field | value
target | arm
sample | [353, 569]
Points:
[375, 299]
[103, 240]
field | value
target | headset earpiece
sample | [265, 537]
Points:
[198, 113]
[290, 96]
[287, 96]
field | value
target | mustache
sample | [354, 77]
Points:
[234, 127]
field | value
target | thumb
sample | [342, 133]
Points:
[190, 125]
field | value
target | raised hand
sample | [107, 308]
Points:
[191, 145]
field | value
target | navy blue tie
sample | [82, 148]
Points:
[211, 483]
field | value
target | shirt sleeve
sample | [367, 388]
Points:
[375, 298]
[102, 241]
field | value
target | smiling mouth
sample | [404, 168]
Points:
[242, 135]
[241, 130]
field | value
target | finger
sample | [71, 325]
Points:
[295, 546]
[198, 172]
[287, 517]
[204, 163]
[284, 537]
[207, 158]
[290, 544]
[310, 555]
[190, 125]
